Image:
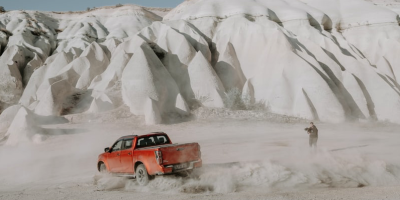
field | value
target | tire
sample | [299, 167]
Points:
[142, 177]
[103, 168]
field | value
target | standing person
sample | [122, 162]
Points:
[313, 132]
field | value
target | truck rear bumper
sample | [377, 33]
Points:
[169, 169]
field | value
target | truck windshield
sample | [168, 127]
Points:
[152, 141]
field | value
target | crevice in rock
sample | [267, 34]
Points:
[312, 107]
[370, 103]
[391, 69]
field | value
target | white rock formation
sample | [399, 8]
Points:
[307, 58]
[6, 118]
[52, 100]
[144, 78]
[10, 76]
[152, 112]
[21, 125]
[107, 86]
[329, 60]
[40, 81]
[32, 65]
[24, 128]
[205, 83]
[229, 70]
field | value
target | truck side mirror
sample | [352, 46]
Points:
[107, 149]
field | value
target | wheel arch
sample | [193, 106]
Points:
[147, 166]
[137, 163]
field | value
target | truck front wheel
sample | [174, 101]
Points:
[142, 177]
[103, 168]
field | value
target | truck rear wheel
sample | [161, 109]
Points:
[142, 177]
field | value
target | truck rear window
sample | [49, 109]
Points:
[152, 141]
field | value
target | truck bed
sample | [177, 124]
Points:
[177, 153]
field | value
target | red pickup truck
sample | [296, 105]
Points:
[145, 156]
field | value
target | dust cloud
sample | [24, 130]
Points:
[243, 156]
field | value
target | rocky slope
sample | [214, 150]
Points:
[330, 60]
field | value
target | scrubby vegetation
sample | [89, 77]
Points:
[58, 30]
[235, 100]
[36, 33]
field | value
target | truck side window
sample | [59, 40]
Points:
[117, 146]
[128, 144]
[140, 142]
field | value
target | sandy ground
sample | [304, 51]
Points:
[243, 159]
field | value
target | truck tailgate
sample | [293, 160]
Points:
[179, 153]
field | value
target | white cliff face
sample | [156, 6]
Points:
[10, 78]
[39, 49]
[326, 60]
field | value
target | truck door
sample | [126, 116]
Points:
[127, 157]
[113, 159]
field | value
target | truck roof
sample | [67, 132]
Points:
[152, 133]
[133, 136]
[127, 137]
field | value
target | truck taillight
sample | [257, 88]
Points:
[158, 157]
